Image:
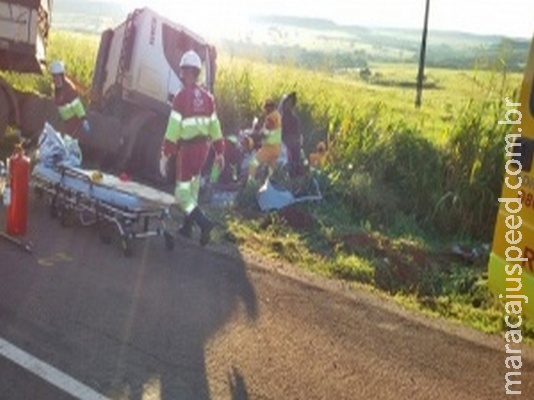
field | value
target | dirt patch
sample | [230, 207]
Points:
[400, 265]
[297, 218]
[380, 246]
[401, 258]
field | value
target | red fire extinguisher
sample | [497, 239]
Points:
[18, 191]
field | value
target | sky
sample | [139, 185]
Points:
[514, 18]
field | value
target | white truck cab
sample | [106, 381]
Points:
[139, 60]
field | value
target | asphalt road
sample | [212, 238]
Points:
[197, 324]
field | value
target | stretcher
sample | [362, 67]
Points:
[90, 197]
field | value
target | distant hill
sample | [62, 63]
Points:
[322, 24]
[453, 38]
[313, 42]
[306, 38]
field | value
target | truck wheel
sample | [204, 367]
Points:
[146, 153]
[35, 111]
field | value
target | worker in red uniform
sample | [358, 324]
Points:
[68, 102]
[192, 125]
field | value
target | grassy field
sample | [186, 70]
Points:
[342, 93]
[402, 185]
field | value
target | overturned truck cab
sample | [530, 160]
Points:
[135, 79]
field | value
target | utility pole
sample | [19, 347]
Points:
[421, 74]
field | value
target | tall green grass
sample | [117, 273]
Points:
[440, 166]
[389, 171]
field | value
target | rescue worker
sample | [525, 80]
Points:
[192, 125]
[271, 141]
[68, 102]
[291, 136]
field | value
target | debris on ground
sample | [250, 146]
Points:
[274, 196]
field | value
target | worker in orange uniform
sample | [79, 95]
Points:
[68, 102]
[271, 140]
[192, 125]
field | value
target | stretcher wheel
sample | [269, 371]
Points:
[126, 244]
[169, 240]
[104, 233]
[54, 212]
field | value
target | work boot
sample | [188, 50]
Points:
[187, 227]
[206, 226]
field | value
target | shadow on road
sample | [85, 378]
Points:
[133, 328]
[178, 315]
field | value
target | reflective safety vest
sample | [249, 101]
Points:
[70, 106]
[193, 116]
[272, 129]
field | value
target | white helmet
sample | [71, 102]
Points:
[191, 59]
[57, 67]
